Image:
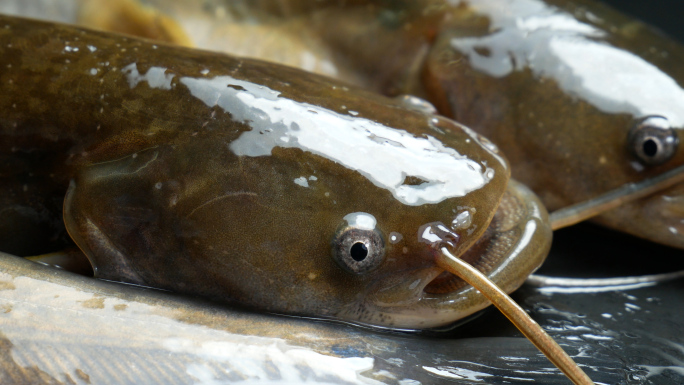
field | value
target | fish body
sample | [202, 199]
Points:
[582, 99]
[247, 182]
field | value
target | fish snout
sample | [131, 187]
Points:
[514, 245]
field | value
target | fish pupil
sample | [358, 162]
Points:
[650, 147]
[358, 251]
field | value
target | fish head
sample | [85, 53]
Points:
[312, 199]
[582, 100]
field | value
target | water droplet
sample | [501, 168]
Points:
[463, 220]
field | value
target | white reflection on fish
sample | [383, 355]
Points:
[612, 79]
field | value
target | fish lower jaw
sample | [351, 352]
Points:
[411, 317]
[444, 283]
[428, 312]
[419, 309]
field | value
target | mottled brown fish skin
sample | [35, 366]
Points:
[566, 149]
[159, 199]
[567, 146]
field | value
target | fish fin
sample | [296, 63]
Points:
[96, 245]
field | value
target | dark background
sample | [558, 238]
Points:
[668, 15]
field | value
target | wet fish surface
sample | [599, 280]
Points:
[252, 183]
[572, 91]
[582, 98]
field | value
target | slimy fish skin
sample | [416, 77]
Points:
[252, 183]
[583, 100]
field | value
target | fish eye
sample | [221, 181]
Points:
[358, 250]
[653, 141]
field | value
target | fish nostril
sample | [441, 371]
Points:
[358, 251]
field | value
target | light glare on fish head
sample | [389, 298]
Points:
[356, 248]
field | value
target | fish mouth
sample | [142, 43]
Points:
[514, 245]
[505, 238]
